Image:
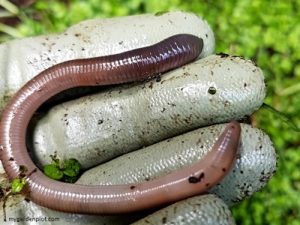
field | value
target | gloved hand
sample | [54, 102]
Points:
[102, 127]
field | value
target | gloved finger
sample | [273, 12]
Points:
[20, 60]
[199, 210]
[96, 128]
[255, 164]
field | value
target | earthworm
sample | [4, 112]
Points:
[138, 64]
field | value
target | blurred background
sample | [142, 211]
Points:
[267, 32]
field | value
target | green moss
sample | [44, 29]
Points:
[17, 185]
[67, 171]
[53, 172]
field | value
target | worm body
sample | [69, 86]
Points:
[130, 66]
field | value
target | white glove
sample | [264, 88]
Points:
[99, 127]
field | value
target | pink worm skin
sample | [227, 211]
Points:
[130, 66]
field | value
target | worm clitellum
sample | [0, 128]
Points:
[138, 64]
